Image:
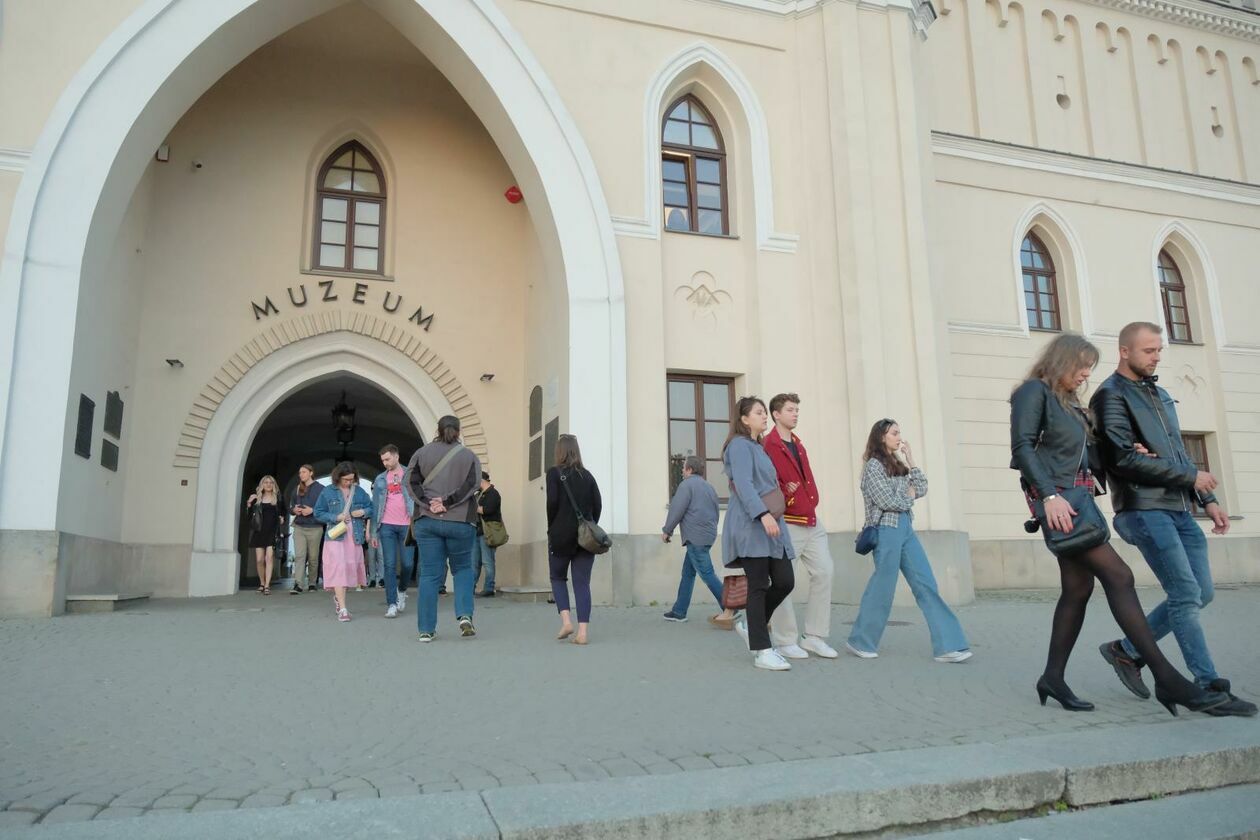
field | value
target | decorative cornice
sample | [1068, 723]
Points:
[1064, 163]
[921, 11]
[14, 160]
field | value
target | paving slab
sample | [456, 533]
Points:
[1224, 814]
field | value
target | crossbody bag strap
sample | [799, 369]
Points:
[564, 482]
[441, 465]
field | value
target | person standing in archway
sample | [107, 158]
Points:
[444, 477]
[344, 507]
[307, 532]
[266, 514]
[392, 512]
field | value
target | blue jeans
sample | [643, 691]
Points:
[899, 549]
[1175, 548]
[441, 542]
[696, 562]
[393, 549]
[483, 555]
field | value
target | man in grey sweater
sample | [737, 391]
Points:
[695, 507]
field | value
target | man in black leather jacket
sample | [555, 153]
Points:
[1153, 485]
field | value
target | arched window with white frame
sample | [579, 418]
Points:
[693, 170]
[1174, 298]
[350, 212]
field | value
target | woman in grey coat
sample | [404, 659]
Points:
[752, 538]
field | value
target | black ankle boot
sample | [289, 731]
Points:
[1047, 687]
[1191, 696]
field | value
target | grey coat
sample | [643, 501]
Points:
[752, 475]
[695, 507]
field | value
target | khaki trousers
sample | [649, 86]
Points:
[813, 562]
[306, 541]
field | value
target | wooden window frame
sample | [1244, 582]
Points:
[698, 381]
[687, 155]
[1193, 441]
[1164, 288]
[1052, 274]
[353, 200]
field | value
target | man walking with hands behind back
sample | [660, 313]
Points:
[1154, 484]
[809, 537]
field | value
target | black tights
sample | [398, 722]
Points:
[1077, 574]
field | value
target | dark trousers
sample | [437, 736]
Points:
[770, 582]
[581, 563]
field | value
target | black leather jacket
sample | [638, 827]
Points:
[1048, 440]
[1131, 412]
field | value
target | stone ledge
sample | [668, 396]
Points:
[104, 601]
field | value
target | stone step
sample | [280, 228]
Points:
[524, 594]
[104, 601]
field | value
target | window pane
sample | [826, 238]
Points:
[368, 212]
[1030, 301]
[1176, 299]
[673, 170]
[365, 259]
[1030, 283]
[710, 221]
[716, 475]
[703, 136]
[717, 402]
[708, 170]
[335, 209]
[682, 111]
[1180, 333]
[675, 194]
[332, 256]
[715, 437]
[366, 182]
[1047, 303]
[676, 219]
[334, 232]
[682, 399]
[682, 437]
[1043, 284]
[367, 236]
[676, 132]
[346, 160]
[709, 195]
[1047, 320]
[337, 179]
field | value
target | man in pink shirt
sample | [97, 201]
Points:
[392, 506]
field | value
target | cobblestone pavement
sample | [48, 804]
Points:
[245, 701]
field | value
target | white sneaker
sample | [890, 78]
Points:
[343, 615]
[860, 654]
[954, 656]
[792, 652]
[770, 660]
[402, 601]
[392, 612]
[818, 647]
[741, 627]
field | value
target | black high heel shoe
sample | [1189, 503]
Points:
[1201, 701]
[1064, 695]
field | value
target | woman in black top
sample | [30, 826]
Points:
[266, 513]
[564, 553]
[1051, 445]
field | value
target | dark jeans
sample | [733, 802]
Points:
[395, 551]
[441, 542]
[770, 582]
[581, 563]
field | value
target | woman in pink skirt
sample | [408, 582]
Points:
[343, 501]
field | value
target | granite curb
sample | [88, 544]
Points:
[800, 799]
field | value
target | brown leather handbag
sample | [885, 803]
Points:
[735, 592]
[774, 501]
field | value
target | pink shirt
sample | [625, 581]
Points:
[395, 505]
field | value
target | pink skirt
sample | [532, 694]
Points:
[343, 563]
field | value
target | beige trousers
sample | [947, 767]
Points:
[306, 554]
[813, 559]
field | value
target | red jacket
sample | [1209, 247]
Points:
[802, 504]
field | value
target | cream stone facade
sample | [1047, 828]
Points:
[883, 164]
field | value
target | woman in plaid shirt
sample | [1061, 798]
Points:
[890, 483]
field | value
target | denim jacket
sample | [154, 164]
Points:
[329, 507]
[380, 491]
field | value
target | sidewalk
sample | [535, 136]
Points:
[247, 701]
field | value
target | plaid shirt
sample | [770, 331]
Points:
[888, 496]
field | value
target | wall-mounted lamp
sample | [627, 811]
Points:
[486, 377]
[175, 363]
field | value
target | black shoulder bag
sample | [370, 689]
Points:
[1089, 527]
[590, 536]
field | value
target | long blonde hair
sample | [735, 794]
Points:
[1061, 358]
[275, 488]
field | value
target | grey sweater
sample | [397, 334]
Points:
[695, 507]
[456, 485]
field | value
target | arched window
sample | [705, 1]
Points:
[1172, 291]
[693, 170]
[1041, 288]
[350, 212]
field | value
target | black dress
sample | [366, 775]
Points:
[265, 536]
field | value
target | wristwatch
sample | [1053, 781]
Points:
[1051, 496]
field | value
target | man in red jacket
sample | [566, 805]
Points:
[809, 537]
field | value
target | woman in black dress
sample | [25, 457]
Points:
[265, 512]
